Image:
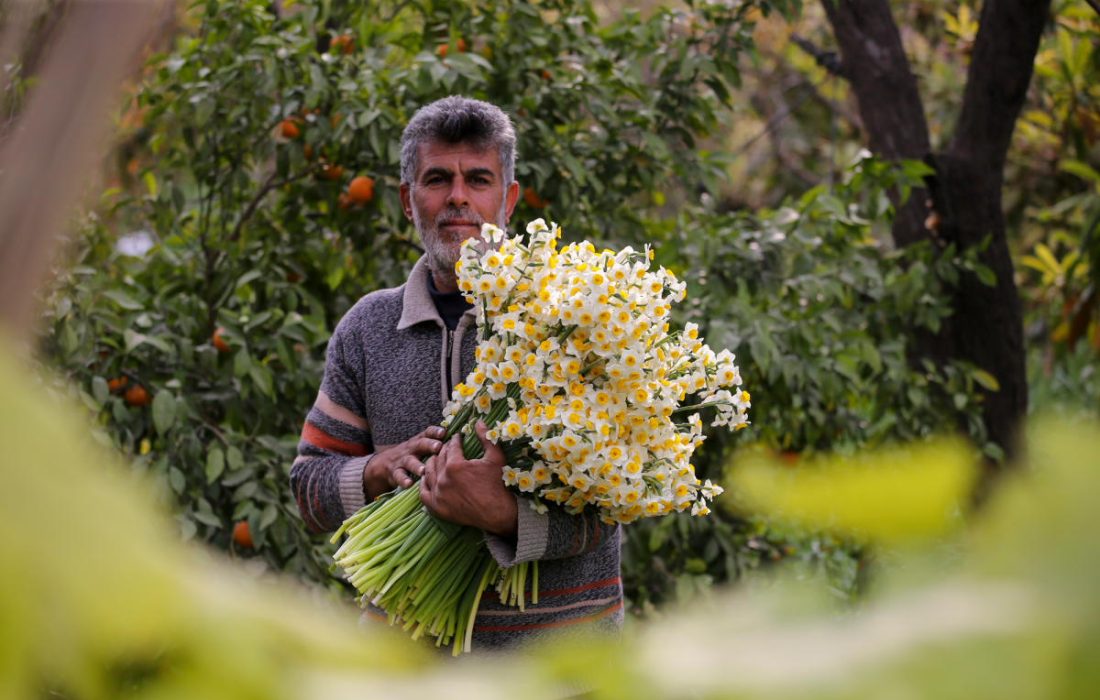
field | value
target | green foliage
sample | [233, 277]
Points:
[820, 315]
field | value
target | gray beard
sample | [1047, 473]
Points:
[442, 255]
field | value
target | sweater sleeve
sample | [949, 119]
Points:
[555, 534]
[327, 476]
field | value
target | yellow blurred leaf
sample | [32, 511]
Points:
[889, 495]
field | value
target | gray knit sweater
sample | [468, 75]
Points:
[385, 381]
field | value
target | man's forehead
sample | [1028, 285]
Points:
[464, 154]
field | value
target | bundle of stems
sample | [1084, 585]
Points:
[428, 574]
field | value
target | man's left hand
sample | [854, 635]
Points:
[469, 491]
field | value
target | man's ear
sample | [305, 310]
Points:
[406, 200]
[512, 197]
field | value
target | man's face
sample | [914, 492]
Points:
[457, 188]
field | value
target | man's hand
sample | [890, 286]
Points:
[400, 465]
[470, 491]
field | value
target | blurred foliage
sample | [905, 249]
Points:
[932, 483]
[108, 603]
[102, 601]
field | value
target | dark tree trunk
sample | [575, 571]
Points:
[987, 326]
[874, 63]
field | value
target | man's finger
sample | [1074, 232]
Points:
[426, 481]
[402, 478]
[492, 450]
[412, 465]
[454, 450]
[423, 446]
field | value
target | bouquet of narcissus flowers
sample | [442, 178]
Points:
[593, 399]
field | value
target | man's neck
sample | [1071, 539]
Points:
[444, 283]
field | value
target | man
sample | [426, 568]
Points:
[390, 367]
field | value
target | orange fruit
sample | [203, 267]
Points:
[242, 534]
[307, 151]
[344, 201]
[117, 384]
[533, 199]
[219, 341]
[342, 43]
[361, 190]
[460, 46]
[289, 129]
[331, 172]
[137, 396]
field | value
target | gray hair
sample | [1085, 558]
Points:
[455, 120]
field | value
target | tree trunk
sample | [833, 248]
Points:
[987, 325]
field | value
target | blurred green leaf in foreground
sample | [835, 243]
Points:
[100, 600]
[888, 496]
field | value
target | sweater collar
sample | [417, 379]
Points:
[416, 300]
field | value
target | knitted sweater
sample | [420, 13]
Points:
[386, 380]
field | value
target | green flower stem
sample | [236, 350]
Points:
[534, 583]
[469, 635]
[425, 572]
[700, 406]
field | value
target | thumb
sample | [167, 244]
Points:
[493, 452]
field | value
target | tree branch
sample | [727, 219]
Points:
[829, 60]
[996, 84]
[270, 184]
[874, 62]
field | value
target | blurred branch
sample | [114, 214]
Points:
[829, 60]
[773, 122]
[60, 137]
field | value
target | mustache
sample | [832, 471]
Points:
[448, 216]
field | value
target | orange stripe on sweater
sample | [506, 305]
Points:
[319, 438]
[578, 589]
[550, 625]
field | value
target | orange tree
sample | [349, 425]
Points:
[212, 274]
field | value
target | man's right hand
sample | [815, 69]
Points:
[402, 463]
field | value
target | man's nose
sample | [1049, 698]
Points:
[459, 196]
